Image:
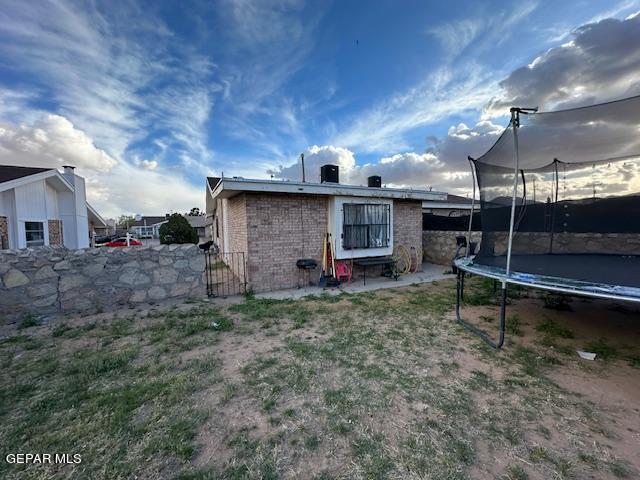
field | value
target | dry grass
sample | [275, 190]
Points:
[371, 385]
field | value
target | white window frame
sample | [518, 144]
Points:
[336, 219]
[22, 231]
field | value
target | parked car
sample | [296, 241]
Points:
[101, 240]
[122, 242]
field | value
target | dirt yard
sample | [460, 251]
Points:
[370, 385]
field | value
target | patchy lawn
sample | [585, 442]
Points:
[370, 385]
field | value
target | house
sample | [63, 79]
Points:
[276, 223]
[42, 206]
[148, 226]
[451, 214]
[199, 223]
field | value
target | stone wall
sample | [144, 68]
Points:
[55, 232]
[4, 233]
[281, 230]
[538, 243]
[407, 227]
[51, 280]
[439, 247]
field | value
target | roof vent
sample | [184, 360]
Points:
[374, 181]
[329, 174]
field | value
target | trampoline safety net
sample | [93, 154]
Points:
[577, 210]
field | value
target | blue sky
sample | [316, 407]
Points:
[147, 98]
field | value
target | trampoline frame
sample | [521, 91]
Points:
[465, 264]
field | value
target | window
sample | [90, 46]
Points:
[365, 225]
[34, 232]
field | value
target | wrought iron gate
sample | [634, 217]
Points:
[226, 273]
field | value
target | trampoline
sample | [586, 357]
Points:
[559, 196]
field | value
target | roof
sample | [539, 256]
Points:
[196, 221]
[458, 199]
[213, 182]
[229, 187]
[453, 202]
[94, 217]
[10, 172]
[148, 221]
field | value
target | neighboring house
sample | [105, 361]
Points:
[42, 206]
[276, 223]
[452, 206]
[451, 214]
[199, 223]
[148, 227]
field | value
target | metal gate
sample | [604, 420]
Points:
[226, 273]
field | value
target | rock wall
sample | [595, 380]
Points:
[439, 247]
[51, 280]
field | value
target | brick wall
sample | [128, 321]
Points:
[55, 232]
[237, 224]
[4, 233]
[407, 227]
[281, 230]
[276, 230]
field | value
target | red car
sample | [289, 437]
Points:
[122, 242]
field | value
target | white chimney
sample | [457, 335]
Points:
[69, 174]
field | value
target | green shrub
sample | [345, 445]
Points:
[177, 230]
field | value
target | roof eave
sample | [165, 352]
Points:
[228, 188]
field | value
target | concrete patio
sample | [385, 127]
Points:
[429, 273]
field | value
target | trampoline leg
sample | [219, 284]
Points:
[473, 328]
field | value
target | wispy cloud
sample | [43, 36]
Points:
[382, 129]
[481, 31]
[107, 69]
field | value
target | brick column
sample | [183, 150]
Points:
[55, 232]
[4, 233]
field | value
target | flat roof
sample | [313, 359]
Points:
[230, 187]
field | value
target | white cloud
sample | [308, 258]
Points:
[113, 187]
[383, 128]
[52, 141]
[314, 157]
[482, 30]
[128, 189]
[149, 164]
[601, 63]
[107, 71]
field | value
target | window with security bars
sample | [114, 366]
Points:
[365, 225]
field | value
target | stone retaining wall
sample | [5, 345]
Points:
[51, 280]
[439, 247]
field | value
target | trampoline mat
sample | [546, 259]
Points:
[622, 270]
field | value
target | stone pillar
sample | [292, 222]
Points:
[4, 233]
[55, 232]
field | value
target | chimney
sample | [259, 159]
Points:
[329, 174]
[374, 181]
[69, 173]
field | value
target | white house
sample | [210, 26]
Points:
[148, 226]
[42, 206]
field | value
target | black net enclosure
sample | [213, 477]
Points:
[575, 214]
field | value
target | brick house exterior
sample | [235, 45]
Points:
[274, 229]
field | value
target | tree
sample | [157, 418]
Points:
[195, 211]
[177, 230]
[125, 221]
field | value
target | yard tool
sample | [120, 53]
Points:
[323, 274]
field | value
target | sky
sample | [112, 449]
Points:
[148, 98]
